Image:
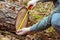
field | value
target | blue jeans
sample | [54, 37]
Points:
[55, 21]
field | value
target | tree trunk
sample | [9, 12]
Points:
[8, 19]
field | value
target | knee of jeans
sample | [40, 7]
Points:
[55, 19]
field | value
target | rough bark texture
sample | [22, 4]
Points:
[7, 20]
[8, 16]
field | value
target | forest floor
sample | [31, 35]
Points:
[38, 13]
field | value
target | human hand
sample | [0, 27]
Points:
[23, 31]
[32, 3]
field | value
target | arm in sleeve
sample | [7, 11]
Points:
[41, 25]
[45, 22]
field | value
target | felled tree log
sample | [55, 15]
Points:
[9, 17]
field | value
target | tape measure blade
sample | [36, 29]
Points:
[20, 17]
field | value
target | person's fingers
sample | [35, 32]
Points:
[20, 33]
[34, 5]
[23, 31]
[29, 3]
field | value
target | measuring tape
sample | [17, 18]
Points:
[20, 25]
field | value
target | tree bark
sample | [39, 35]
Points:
[8, 19]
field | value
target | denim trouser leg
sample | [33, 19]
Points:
[55, 21]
